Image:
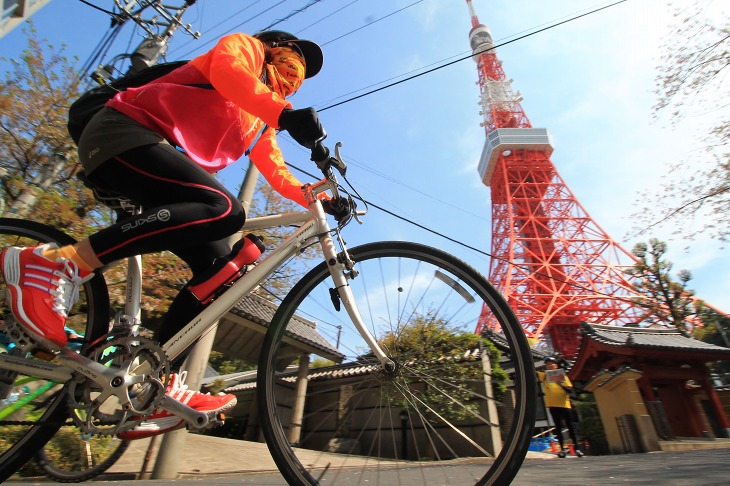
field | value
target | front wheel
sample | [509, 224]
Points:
[457, 408]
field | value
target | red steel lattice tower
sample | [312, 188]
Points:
[553, 263]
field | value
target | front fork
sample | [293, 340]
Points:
[342, 269]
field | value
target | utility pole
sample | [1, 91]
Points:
[166, 465]
[159, 29]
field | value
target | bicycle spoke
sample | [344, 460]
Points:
[432, 412]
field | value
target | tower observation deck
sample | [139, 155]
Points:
[555, 266]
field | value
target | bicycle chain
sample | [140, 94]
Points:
[139, 355]
[141, 358]
[28, 423]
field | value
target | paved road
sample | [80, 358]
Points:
[686, 468]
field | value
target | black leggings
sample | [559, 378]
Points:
[186, 211]
[185, 208]
[562, 416]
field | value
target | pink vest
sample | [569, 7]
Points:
[212, 130]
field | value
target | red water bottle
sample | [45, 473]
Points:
[245, 252]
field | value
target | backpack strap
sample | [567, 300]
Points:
[258, 135]
[264, 78]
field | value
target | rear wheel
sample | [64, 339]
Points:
[457, 409]
[71, 458]
[31, 414]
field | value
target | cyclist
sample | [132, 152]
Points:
[158, 146]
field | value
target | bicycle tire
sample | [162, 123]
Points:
[90, 313]
[443, 428]
[69, 463]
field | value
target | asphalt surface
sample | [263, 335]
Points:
[239, 463]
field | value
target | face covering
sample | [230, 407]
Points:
[286, 71]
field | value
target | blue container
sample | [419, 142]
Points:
[539, 444]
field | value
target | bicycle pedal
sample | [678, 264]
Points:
[25, 342]
[217, 421]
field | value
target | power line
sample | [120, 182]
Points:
[291, 14]
[371, 23]
[477, 250]
[298, 11]
[552, 26]
[328, 16]
[215, 39]
[89, 4]
[352, 162]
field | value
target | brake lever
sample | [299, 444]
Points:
[340, 164]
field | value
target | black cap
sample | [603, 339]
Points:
[551, 359]
[311, 51]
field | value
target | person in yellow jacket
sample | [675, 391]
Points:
[557, 388]
[158, 146]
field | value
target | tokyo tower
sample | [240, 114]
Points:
[555, 266]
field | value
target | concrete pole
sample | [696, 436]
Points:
[300, 395]
[168, 459]
[248, 187]
[492, 416]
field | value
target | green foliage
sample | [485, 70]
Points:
[37, 157]
[217, 386]
[226, 365]
[499, 376]
[666, 301]
[440, 369]
[9, 435]
[590, 426]
[715, 330]
[320, 363]
[68, 450]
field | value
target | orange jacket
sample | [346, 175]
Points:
[216, 126]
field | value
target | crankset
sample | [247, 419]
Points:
[131, 385]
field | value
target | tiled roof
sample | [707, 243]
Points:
[604, 377]
[260, 310]
[348, 370]
[647, 337]
[501, 343]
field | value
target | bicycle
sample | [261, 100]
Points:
[69, 456]
[410, 404]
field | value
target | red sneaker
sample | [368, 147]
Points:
[40, 292]
[162, 421]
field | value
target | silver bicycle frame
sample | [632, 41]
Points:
[314, 225]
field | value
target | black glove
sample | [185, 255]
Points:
[337, 207]
[303, 125]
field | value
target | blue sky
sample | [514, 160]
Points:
[413, 148]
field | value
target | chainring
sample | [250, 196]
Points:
[132, 394]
